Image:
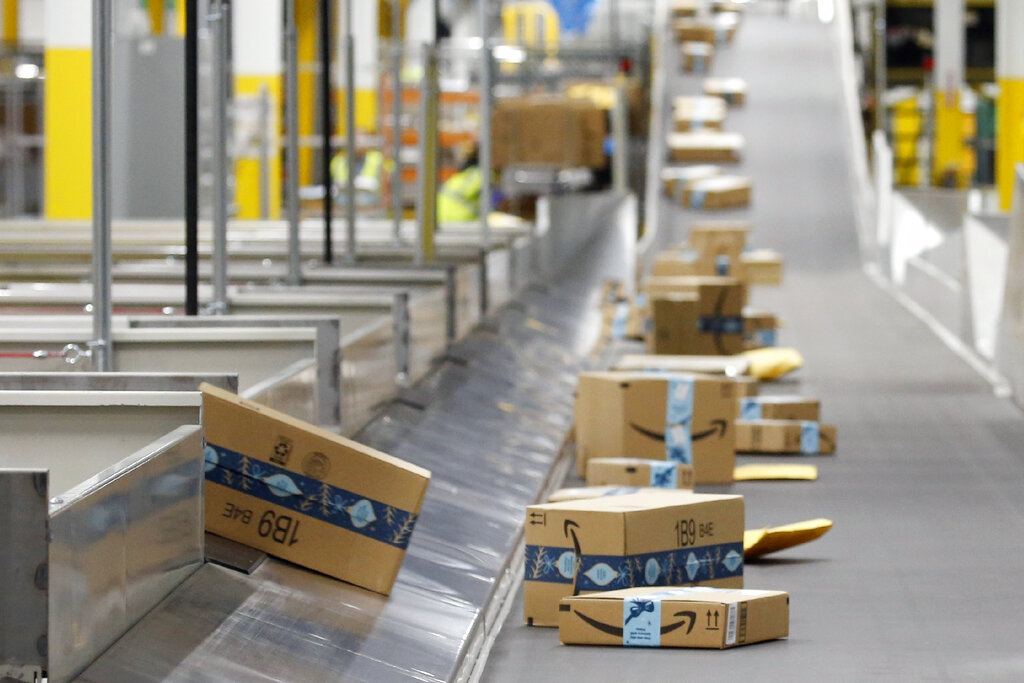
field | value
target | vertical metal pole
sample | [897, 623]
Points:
[880, 59]
[264, 150]
[326, 95]
[9, 135]
[397, 203]
[426, 218]
[451, 289]
[401, 322]
[291, 124]
[486, 109]
[191, 158]
[101, 248]
[17, 126]
[350, 134]
[220, 17]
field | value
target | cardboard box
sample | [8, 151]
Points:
[796, 437]
[673, 178]
[779, 408]
[587, 492]
[761, 267]
[667, 286]
[307, 495]
[697, 57]
[625, 320]
[678, 263]
[689, 29]
[720, 244]
[699, 113]
[684, 8]
[706, 324]
[713, 618]
[676, 417]
[759, 329]
[705, 146]
[549, 129]
[722, 192]
[726, 24]
[639, 472]
[732, 90]
[666, 538]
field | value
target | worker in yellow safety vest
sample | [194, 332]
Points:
[458, 200]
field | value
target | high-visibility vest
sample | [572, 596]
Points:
[459, 198]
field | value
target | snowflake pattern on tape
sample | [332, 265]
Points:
[345, 509]
[609, 572]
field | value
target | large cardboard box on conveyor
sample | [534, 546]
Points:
[639, 472]
[675, 417]
[307, 495]
[698, 113]
[703, 617]
[705, 146]
[548, 129]
[663, 538]
[707, 323]
[785, 437]
[721, 192]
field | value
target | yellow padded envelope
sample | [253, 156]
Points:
[758, 542]
[772, 362]
[775, 472]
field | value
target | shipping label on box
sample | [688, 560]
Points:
[796, 437]
[673, 417]
[779, 408]
[663, 538]
[307, 495]
[701, 617]
[639, 472]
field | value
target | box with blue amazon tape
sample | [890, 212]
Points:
[779, 408]
[785, 437]
[720, 245]
[307, 495]
[625, 319]
[701, 617]
[710, 146]
[674, 417]
[720, 192]
[708, 324]
[655, 538]
[640, 472]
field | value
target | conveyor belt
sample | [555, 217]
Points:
[919, 580]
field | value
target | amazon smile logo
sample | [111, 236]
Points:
[685, 618]
[717, 426]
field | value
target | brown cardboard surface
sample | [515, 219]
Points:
[697, 57]
[721, 192]
[698, 113]
[305, 494]
[761, 267]
[680, 263]
[705, 324]
[638, 472]
[720, 242]
[623, 414]
[780, 437]
[709, 146]
[784, 408]
[691, 29]
[675, 177]
[548, 129]
[711, 618]
[732, 90]
[758, 326]
[663, 285]
[584, 546]
[624, 320]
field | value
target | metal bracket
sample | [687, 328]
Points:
[402, 338]
[24, 573]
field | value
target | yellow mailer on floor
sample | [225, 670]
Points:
[775, 472]
[758, 542]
